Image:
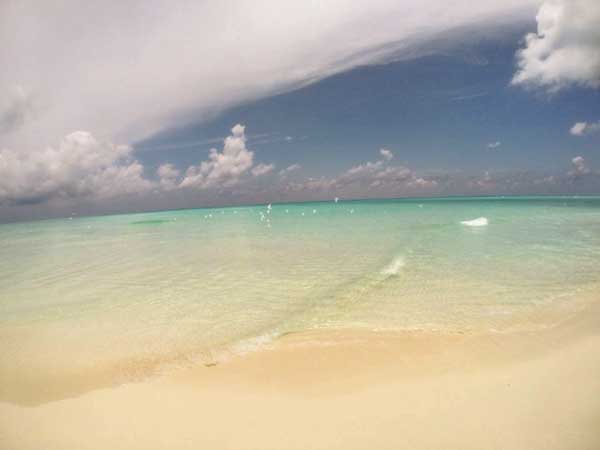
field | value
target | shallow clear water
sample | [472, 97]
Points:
[173, 286]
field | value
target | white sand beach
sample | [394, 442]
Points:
[348, 390]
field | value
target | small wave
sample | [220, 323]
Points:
[394, 267]
[255, 343]
[479, 222]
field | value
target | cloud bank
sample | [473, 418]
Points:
[80, 166]
[372, 178]
[133, 68]
[124, 70]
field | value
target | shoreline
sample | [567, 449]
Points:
[529, 390]
[307, 359]
[428, 351]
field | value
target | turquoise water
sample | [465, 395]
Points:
[195, 285]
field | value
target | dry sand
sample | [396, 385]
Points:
[347, 390]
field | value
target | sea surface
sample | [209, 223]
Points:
[128, 295]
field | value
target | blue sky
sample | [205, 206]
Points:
[160, 104]
[437, 112]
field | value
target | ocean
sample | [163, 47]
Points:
[121, 297]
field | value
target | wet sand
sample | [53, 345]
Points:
[348, 390]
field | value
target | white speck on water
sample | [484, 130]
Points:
[479, 222]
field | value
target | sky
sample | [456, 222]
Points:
[150, 105]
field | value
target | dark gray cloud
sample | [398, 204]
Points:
[17, 109]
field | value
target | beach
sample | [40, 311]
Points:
[532, 390]
[300, 225]
[421, 324]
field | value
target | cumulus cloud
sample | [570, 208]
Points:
[386, 154]
[579, 178]
[579, 167]
[370, 177]
[585, 128]
[225, 168]
[168, 174]
[566, 48]
[80, 166]
[494, 145]
[262, 169]
[378, 174]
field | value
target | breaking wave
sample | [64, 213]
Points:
[479, 222]
[394, 267]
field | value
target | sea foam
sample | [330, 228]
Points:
[394, 267]
[479, 222]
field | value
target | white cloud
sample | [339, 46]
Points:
[138, 67]
[290, 168]
[283, 173]
[585, 128]
[494, 145]
[566, 48]
[579, 167]
[223, 169]
[363, 170]
[80, 166]
[262, 169]
[168, 175]
[168, 171]
[142, 66]
[386, 154]
[376, 176]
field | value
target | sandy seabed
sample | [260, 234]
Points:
[347, 390]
